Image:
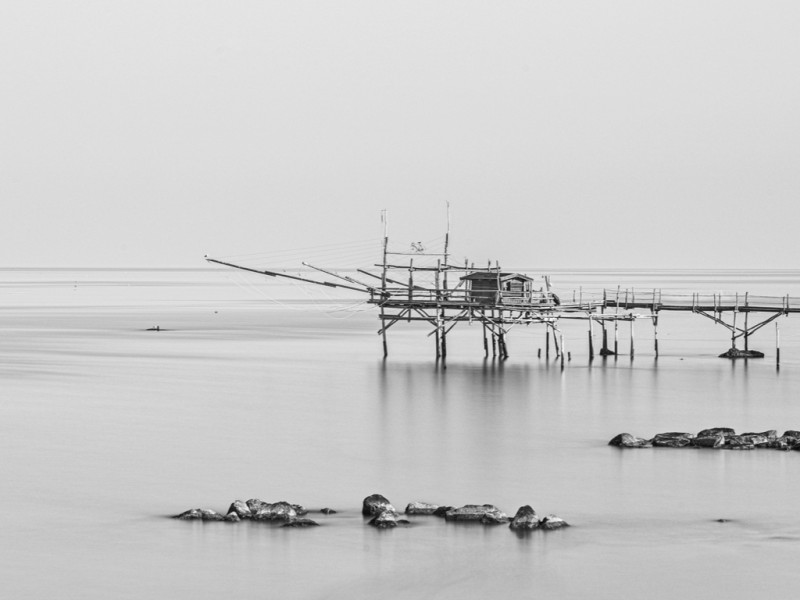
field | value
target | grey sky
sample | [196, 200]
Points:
[564, 134]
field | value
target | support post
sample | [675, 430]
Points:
[591, 339]
[746, 328]
[777, 346]
[547, 342]
[655, 332]
[632, 321]
[562, 351]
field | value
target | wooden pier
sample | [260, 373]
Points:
[443, 294]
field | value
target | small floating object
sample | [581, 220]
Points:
[154, 328]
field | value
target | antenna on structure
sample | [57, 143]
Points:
[447, 233]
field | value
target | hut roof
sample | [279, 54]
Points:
[488, 275]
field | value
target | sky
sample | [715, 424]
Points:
[563, 134]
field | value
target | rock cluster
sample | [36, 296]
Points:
[383, 514]
[526, 518]
[716, 437]
[288, 515]
[737, 353]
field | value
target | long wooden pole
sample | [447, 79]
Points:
[746, 327]
[385, 219]
[632, 321]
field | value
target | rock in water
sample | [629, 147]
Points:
[736, 353]
[421, 508]
[484, 513]
[278, 511]
[726, 431]
[741, 442]
[387, 519]
[626, 440]
[442, 511]
[301, 522]
[240, 508]
[200, 514]
[709, 441]
[327, 511]
[526, 519]
[672, 439]
[552, 522]
[254, 504]
[376, 504]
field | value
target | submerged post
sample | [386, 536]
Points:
[777, 346]
[655, 332]
[746, 328]
[547, 342]
[591, 339]
[632, 321]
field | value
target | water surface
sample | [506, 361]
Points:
[259, 389]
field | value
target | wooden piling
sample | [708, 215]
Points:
[655, 333]
[547, 343]
[777, 346]
[632, 321]
[746, 328]
[591, 339]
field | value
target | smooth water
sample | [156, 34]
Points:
[258, 389]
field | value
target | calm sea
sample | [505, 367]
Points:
[260, 389]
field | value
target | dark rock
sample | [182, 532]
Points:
[375, 504]
[301, 522]
[200, 514]
[770, 434]
[552, 522]
[740, 442]
[421, 508]
[709, 441]
[241, 509]
[484, 513]
[737, 353]
[385, 519]
[607, 352]
[277, 511]
[784, 443]
[526, 519]
[254, 504]
[626, 440]
[442, 511]
[232, 517]
[328, 511]
[791, 433]
[299, 510]
[672, 439]
[726, 431]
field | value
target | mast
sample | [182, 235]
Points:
[446, 246]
